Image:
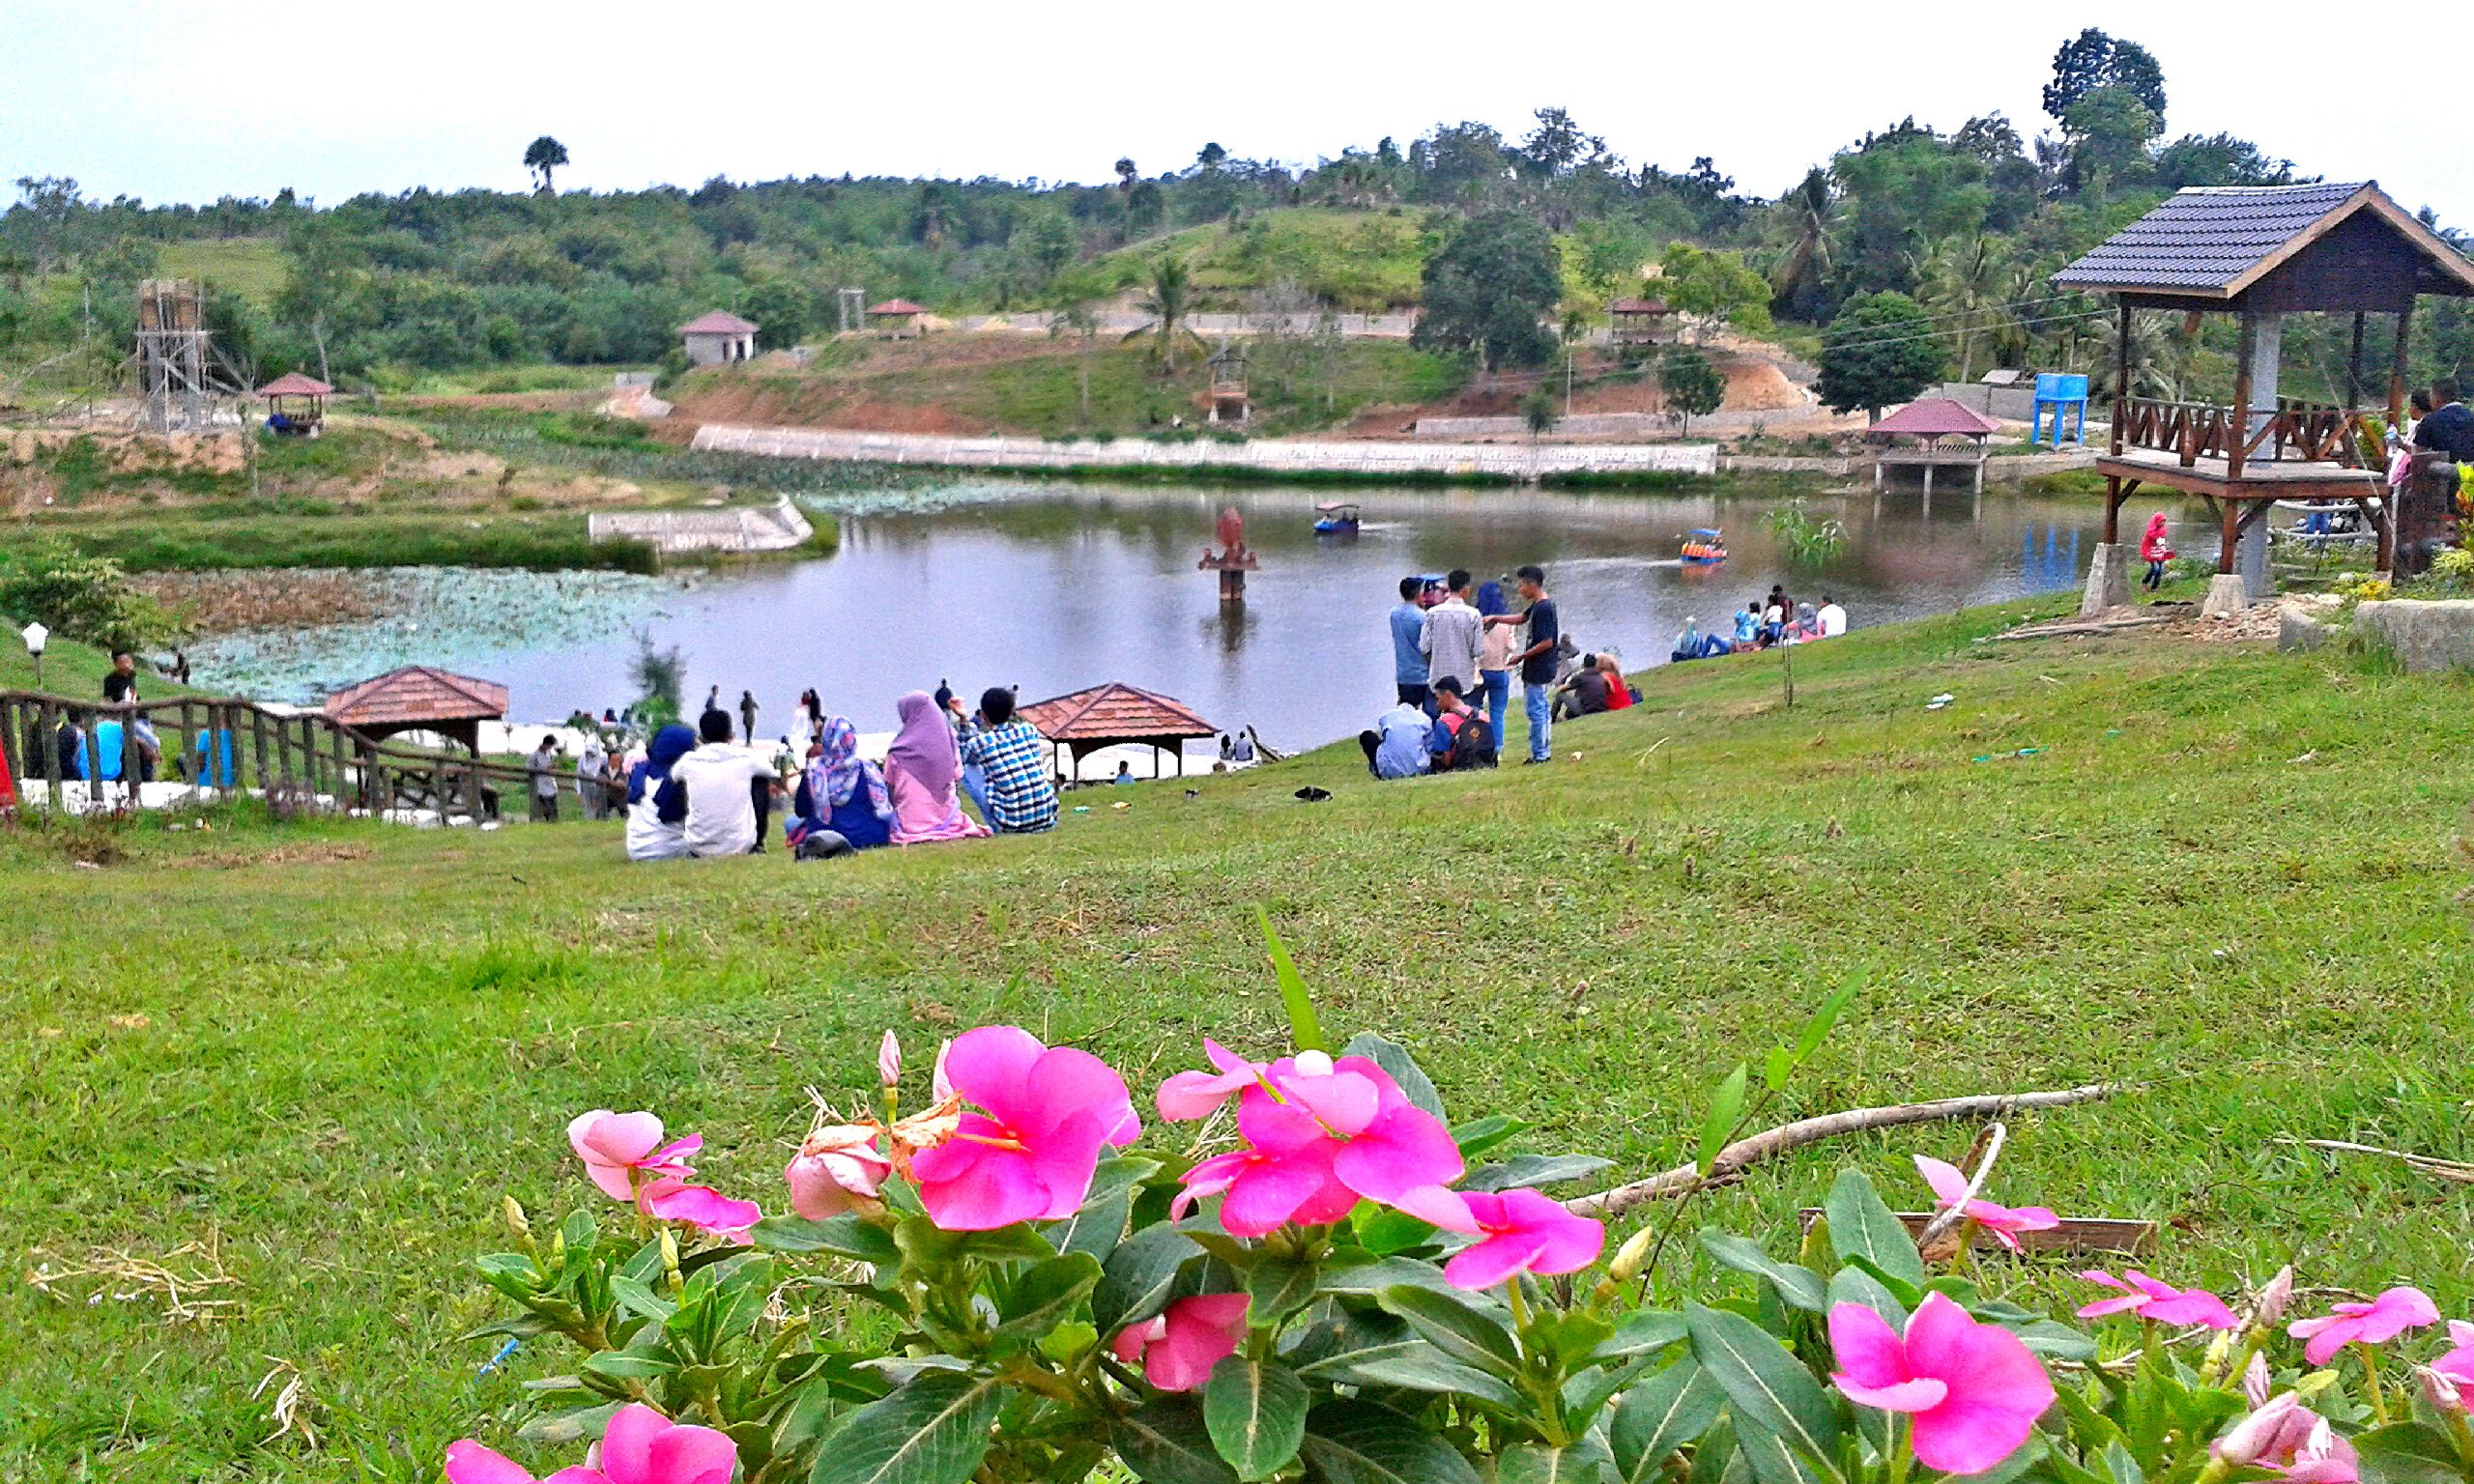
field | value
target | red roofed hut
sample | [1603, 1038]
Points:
[899, 317]
[308, 397]
[1116, 715]
[419, 698]
[718, 338]
[1930, 432]
[1640, 321]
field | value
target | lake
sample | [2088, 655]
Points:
[1054, 587]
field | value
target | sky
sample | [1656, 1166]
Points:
[205, 99]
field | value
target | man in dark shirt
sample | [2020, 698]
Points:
[2450, 428]
[121, 685]
[1538, 661]
[1586, 693]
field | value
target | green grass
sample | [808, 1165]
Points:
[2231, 875]
[1362, 261]
[251, 267]
[244, 533]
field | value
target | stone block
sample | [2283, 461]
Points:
[2227, 597]
[2424, 636]
[2108, 580]
[2299, 632]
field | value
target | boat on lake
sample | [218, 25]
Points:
[1703, 547]
[1335, 518]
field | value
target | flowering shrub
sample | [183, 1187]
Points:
[996, 1287]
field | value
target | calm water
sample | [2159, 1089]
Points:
[1056, 586]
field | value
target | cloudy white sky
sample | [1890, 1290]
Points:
[192, 102]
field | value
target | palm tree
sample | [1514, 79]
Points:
[2160, 355]
[543, 156]
[1962, 280]
[1806, 214]
[1170, 301]
[1079, 320]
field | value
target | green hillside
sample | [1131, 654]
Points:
[1362, 262]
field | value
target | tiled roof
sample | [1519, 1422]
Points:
[1114, 712]
[291, 383]
[721, 321]
[1935, 418]
[1638, 307]
[416, 693]
[897, 306]
[2208, 242]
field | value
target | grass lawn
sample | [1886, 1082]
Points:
[324, 1053]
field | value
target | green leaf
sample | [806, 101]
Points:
[1256, 1411]
[843, 1235]
[1644, 1330]
[1135, 1281]
[1302, 1028]
[1774, 1070]
[1863, 1225]
[1799, 1286]
[1276, 1287]
[1482, 1135]
[1725, 1107]
[1585, 1462]
[1535, 1170]
[1412, 1365]
[933, 1430]
[2119, 1466]
[1366, 1275]
[1770, 1388]
[1776, 1461]
[1381, 1229]
[1364, 1442]
[2062, 1341]
[561, 1429]
[1068, 1340]
[2407, 1453]
[1816, 1029]
[628, 1364]
[1164, 1441]
[1854, 1285]
[1048, 1294]
[637, 1297]
[1096, 1229]
[1660, 1416]
[1400, 1067]
[1453, 1328]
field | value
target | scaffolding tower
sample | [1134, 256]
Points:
[172, 353]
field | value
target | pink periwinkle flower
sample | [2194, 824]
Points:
[1518, 1230]
[1973, 1389]
[2005, 1222]
[1401, 1148]
[701, 1207]
[622, 1150]
[1030, 1155]
[640, 1446]
[2376, 1323]
[2256, 1383]
[889, 1059]
[1179, 1347]
[1281, 1174]
[2273, 1297]
[2162, 1302]
[2458, 1362]
[2291, 1439]
[1347, 1101]
[836, 1168]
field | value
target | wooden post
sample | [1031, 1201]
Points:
[2122, 380]
[2241, 433]
[130, 755]
[258, 747]
[50, 729]
[2230, 513]
[2353, 367]
[2396, 367]
[283, 753]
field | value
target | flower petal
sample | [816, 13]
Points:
[1918, 1395]
[1401, 1149]
[692, 1455]
[1868, 1349]
[1490, 1262]
[1949, 1186]
[992, 1066]
[998, 1189]
[470, 1463]
[1438, 1207]
[627, 1444]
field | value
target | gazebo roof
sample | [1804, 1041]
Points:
[893, 306]
[721, 321]
[416, 693]
[2218, 242]
[1638, 307]
[1114, 712]
[291, 383]
[1937, 417]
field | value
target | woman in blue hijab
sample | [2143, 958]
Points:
[656, 801]
[1499, 643]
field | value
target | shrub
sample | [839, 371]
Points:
[81, 597]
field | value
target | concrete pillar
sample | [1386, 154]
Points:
[2108, 580]
[2267, 348]
[2227, 597]
[2251, 558]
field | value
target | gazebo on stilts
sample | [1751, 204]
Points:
[2259, 253]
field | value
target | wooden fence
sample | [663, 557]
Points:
[2192, 431]
[299, 763]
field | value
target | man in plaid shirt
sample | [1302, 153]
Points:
[1015, 759]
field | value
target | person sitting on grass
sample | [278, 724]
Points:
[657, 799]
[1586, 693]
[1461, 739]
[724, 785]
[841, 796]
[1748, 624]
[1618, 691]
[1021, 796]
[922, 770]
[1397, 745]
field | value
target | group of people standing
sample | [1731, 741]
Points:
[1453, 660]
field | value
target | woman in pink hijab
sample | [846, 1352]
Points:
[921, 769]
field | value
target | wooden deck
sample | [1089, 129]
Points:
[2260, 478]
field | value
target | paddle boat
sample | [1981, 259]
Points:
[1335, 518]
[1704, 547]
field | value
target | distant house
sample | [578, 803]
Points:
[1641, 321]
[717, 339]
[897, 317]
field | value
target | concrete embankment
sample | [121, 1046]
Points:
[775, 527]
[1264, 458]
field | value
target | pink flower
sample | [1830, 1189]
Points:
[2376, 1323]
[889, 1059]
[1030, 1156]
[1283, 1173]
[1179, 1347]
[621, 1150]
[2291, 1439]
[835, 1169]
[2273, 1296]
[2444, 1391]
[2162, 1302]
[1345, 1101]
[640, 1446]
[1973, 1389]
[1399, 1148]
[1950, 1187]
[701, 1207]
[1521, 1232]
[2459, 1363]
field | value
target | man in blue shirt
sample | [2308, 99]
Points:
[1022, 799]
[1408, 661]
[1396, 745]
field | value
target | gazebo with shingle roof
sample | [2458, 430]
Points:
[899, 316]
[419, 698]
[718, 338]
[1116, 715]
[1930, 432]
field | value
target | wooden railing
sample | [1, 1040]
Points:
[2307, 431]
[299, 762]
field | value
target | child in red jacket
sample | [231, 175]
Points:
[2156, 551]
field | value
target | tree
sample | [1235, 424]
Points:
[1878, 350]
[541, 156]
[1489, 290]
[1802, 224]
[1082, 322]
[1538, 411]
[2219, 159]
[1714, 287]
[2094, 60]
[1557, 145]
[1689, 385]
[785, 312]
[1168, 300]
[2109, 130]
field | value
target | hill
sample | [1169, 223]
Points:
[318, 1087]
[1362, 262]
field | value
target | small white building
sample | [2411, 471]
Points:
[717, 339]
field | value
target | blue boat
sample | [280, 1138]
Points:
[1337, 518]
[1703, 547]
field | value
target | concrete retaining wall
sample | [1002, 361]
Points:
[1524, 462]
[773, 528]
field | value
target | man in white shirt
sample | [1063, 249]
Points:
[1451, 636]
[720, 778]
[1833, 618]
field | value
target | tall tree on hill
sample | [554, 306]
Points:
[2092, 60]
[1802, 224]
[1689, 385]
[1880, 349]
[1169, 299]
[542, 157]
[1487, 292]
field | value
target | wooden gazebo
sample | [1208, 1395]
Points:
[1115, 715]
[899, 317]
[2259, 253]
[308, 398]
[1640, 321]
[419, 698]
[1932, 433]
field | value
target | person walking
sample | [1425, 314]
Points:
[1537, 660]
[1408, 662]
[1452, 637]
[747, 718]
[545, 781]
[591, 765]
